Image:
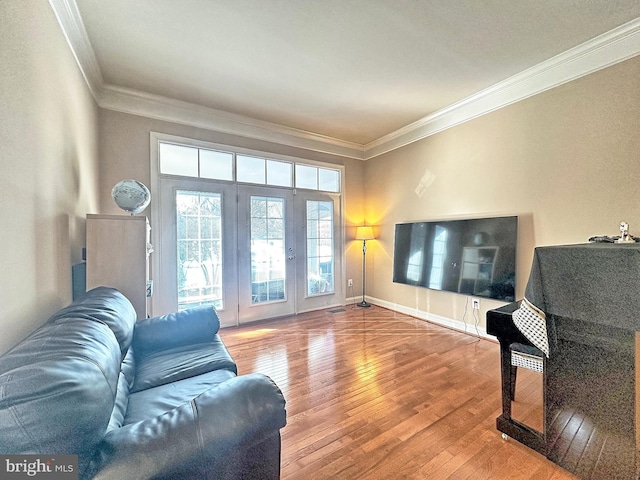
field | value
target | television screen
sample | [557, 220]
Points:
[474, 257]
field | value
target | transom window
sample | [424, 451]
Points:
[198, 162]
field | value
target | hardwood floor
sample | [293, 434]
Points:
[373, 394]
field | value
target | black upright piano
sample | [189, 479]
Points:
[591, 295]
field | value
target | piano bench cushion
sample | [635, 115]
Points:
[527, 356]
[526, 349]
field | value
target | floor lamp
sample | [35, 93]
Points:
[364, 234]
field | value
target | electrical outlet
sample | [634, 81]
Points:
[350, 282]
[475, 303]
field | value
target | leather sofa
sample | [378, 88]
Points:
[155, 398]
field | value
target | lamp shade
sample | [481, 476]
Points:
[364, 233]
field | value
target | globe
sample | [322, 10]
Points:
[131, 196]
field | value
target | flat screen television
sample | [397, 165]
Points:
[473, 257]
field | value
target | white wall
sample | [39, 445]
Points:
[48, 160]
[566, 161]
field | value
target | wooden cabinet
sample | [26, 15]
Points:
[118, 256]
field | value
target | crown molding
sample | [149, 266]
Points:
[70, 21]
[158, 107]
[601, 52]
[614, 46]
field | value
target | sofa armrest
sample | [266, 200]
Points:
[194, 325]
[187, 440]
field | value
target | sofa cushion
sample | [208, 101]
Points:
[186, 327]
[125, 382]
[166, 366]
[152, 402]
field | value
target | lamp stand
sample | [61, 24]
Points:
[364, 303]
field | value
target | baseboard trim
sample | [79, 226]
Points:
[453, 324]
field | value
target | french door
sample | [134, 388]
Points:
[266, 253]
[195, 239]
[319, 241]
[254, 252]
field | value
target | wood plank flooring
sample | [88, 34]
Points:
[373, 394]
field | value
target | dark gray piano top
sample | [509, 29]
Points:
[594, 282]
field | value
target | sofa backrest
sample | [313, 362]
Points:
[58, 386]
[105, 305]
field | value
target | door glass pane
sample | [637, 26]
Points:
[320, 261]
[268, 255]
[199, 239]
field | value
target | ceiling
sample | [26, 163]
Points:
[352, 71]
